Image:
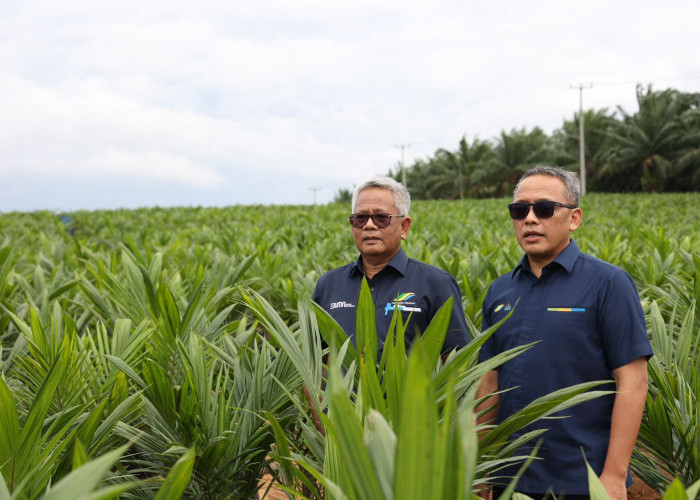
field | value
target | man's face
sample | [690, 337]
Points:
[543, 239]
[379, 244]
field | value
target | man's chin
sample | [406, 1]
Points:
[533, 247]
[372, 251]
[372, 247]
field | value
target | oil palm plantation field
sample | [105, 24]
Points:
[167, 353]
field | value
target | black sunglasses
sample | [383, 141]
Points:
[542, 209]
[358, 221]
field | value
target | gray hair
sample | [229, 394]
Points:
[570, 180]
[402, 199]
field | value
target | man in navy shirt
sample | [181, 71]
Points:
[379, 223]
[587, 320]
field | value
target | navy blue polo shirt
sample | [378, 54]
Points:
[586, 316]
[421, 290]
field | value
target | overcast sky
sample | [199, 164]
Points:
[213, 103]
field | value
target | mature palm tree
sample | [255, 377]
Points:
[565, 143]
[515, 152]
[417, 176]
[685, 172]
[451, 172]
[655, 149]
[648, 142]
[343, 196]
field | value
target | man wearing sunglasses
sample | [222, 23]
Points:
[379, 223]
[586, 322]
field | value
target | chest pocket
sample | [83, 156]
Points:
[571, 330]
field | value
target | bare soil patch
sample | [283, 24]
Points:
[641, 491]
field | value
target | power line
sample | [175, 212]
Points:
[650, 81]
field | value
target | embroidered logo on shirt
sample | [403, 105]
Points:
[342, 303]
[402, 303]
[567, 309]
[505, 307]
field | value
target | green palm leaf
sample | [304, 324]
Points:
[175, 484]
[82, 482]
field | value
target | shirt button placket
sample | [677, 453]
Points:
[527, 306]
[372, 288]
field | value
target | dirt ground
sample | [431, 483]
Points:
[638, 491]
[273, 494]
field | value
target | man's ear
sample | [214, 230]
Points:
[576, 218]
[405, 227]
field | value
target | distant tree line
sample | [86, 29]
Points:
[656, 149]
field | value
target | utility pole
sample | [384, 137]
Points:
[402, 147]
[315, 190]
[581, 142]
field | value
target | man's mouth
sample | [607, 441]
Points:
[532, 235]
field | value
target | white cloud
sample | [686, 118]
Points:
[309, 92]
[156, 166]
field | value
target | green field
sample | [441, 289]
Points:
[148, 351]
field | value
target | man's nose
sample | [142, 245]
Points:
[531, 217]
[370, 223]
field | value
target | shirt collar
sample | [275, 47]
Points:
[565, 259]
[398, 262]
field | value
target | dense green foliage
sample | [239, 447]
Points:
[654, 149]
[174, 343]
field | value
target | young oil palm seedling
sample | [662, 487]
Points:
[55, 407]
[669, 438]
[208, 394]
[215, 407]
[675, 490]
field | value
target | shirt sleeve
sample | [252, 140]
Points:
[316, 296]
[457, 333]
[489, 349]
[622, 322]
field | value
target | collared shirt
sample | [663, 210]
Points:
[587, 320]
[415, 288]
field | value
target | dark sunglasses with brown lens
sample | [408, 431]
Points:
[359, 221]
